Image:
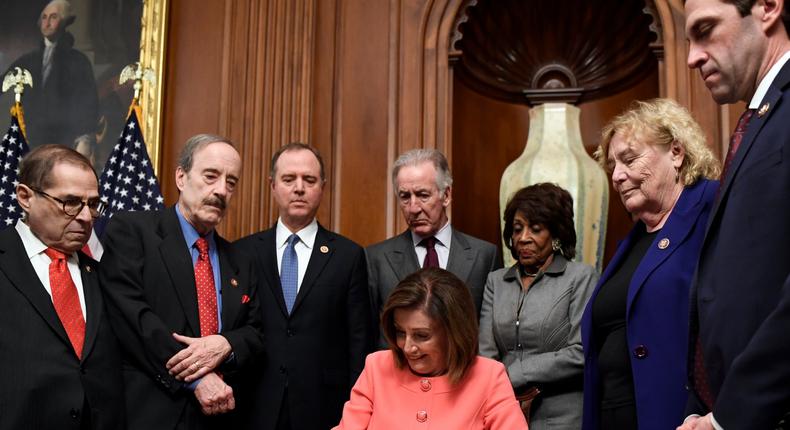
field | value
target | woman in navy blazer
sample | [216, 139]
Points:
[635, 325]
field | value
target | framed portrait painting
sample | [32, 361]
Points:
[75, 51]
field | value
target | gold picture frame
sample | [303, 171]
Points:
[153, 38]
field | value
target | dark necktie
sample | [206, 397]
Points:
[735, 140]
[66, 299]
[431, 258]
[206, 290]
[289, 273]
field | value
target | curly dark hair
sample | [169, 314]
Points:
[546, 204]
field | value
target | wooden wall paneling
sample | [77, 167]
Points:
[191, 81]
[358, 177]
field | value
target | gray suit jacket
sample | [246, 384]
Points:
[544, 348]
[390, 261]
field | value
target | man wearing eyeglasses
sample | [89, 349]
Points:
[59, 359]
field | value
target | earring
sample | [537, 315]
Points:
[556, 245]
[677, 175]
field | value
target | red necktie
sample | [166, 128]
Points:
[735, 140]
[206, 292]
[431, 257]
[66, 300]
[701, 385]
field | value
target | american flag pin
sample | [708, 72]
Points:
[234, 282]
[245, 298]
[324, 249]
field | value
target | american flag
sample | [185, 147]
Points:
[12, 149]
[128, 182]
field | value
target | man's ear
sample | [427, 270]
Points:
[769, 12]
[180, 174]
[447, 197]
[23, 196]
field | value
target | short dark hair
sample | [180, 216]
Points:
[194, 144]
[448, 302]
[35, 169]
[745, 8]
[295, 146]
[546, 204]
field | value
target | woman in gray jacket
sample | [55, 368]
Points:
[531, 311]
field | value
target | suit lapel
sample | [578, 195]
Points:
[17, 268]
[675, 231]
[402, 258]
[773, 97]
[93, 302]
[229, 276]
[462, 257]
[178, 261]
[267, 257]
[321, 254]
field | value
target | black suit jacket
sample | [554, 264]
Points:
[44, 384]
[67, 104]
[317, 351]
[148, 278]
[741, 297]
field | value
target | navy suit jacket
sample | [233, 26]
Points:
[741, 296]
[656, 314]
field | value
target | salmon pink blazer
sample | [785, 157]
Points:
[386, 398]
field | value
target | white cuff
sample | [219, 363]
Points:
[715, 423]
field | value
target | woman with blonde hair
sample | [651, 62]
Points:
[635, 326]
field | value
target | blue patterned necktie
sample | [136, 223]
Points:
[289, 272]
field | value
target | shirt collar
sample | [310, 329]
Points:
[33, 245]
[443, 236]
[306, 235]
[191, 235]
[556, 268]
[768, 79]
[48, 43]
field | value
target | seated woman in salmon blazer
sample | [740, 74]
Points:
[431, 373]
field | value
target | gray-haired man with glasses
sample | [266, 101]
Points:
[60, 366]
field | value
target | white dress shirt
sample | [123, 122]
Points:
[767, 80]
[443, 238]
[304, 247]
[34, 248]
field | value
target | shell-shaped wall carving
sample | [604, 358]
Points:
[536, 51]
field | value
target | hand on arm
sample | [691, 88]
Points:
[201, 356]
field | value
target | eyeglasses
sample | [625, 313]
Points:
[73, 206]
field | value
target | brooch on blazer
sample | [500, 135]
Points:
[244, 299]
[234, 282]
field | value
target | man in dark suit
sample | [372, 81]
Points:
[182, 301]
[740, 310]
[63, 102]
[316, 307]
[423, 185]
[60, 362]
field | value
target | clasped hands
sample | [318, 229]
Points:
[198, 360]
[697, 423]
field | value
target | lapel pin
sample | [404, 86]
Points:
[663, 243]
[324, 249]
[88, 269]
[234, 282]
[763, 109]
[245, 299]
